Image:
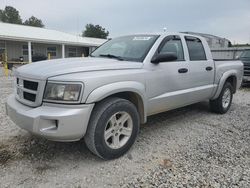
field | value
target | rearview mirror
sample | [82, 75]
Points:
[164, 57]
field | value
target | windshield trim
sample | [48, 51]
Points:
[131, 59]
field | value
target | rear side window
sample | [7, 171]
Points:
[173, 45]
[195, 49]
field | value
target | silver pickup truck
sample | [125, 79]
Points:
[105, 97]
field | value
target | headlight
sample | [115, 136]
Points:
[64, 92]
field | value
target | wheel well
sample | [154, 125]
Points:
[135, 99]
[233, 81]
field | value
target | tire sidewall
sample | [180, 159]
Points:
[101, 147]
[226, 86]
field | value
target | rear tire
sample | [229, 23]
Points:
[113, 128]
[223, 103]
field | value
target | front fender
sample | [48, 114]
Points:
[110, 89]
[222, 81]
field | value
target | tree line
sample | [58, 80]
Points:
[11, 15]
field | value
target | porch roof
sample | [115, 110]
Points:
[42, 35]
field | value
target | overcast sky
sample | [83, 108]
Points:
[225, 18]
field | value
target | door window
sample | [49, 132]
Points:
[173, 44]
[195, 49]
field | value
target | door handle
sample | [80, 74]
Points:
[209, 68]
[183, 70]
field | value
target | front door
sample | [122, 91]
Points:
[167, 81]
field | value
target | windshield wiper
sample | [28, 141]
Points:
[112, 56]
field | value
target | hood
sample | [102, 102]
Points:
[45, 69]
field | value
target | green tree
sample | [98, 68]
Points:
[10, 15]
[33, 21]
[95, 31]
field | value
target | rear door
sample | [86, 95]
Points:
[201, 69]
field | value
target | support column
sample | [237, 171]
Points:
[29, 52]
[63, 51]
[91, 49]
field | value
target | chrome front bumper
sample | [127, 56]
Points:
[52, 121]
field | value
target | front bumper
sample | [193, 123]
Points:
[52, 121]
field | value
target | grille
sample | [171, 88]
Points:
[247, 69]
[29, 96]
[30, 85]
[29, 91]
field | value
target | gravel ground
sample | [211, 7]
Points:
[188, 147]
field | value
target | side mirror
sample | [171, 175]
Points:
[164, 57]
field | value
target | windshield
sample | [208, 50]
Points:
[128, 48]
[246, 54]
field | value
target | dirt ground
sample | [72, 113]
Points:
[188, 147]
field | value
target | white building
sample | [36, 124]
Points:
[22, 42]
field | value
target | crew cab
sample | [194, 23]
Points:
[105, 97]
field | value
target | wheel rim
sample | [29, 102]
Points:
[226, 98]
[118, 130]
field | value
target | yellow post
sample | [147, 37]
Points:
[49, 56]
[6, 71]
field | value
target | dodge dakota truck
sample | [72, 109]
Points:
[105, 97]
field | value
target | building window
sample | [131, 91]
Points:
[2, 47]
[26, 50]
[51, 51]
[72, 52]
[2, 50]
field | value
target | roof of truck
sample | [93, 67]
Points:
[167, 33]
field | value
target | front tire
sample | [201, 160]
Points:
[223, 103]
[113, 128]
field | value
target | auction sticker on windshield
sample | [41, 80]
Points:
[142, 38]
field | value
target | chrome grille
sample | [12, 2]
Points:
[29, 91]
